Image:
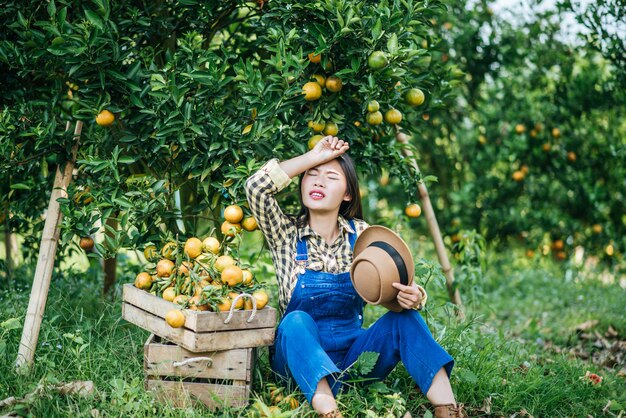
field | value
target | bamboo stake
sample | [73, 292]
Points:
[433, 227]
[45, 261]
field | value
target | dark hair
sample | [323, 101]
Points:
[348, 209]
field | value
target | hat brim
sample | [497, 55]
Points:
[380, 233]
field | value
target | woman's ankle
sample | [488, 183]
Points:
[323, 403]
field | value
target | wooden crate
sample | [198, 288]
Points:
[203, 331]
[181, 377]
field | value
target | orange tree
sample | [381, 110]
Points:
[535, 148]
[182, 100]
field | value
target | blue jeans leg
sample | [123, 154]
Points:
[402, 336]
[298, 353]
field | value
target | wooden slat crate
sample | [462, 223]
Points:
[203, 331]
[180, 377]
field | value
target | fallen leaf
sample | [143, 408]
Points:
[587, 325]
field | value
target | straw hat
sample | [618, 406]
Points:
[381, 258]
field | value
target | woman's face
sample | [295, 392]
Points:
[324, 187]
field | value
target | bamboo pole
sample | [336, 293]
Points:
[45, 261]
[433, 227]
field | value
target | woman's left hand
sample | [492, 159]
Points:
[410, 297]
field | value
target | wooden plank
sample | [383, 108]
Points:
[182, 394]
[198, 342]
[163, 359]
[199, 321]
[45, 259]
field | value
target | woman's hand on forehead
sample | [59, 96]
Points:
[330, 147]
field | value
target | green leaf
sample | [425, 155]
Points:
[377, 30]
[365, 362]
[392, 44]
[11, 323]
[94, 19]
[20, 186]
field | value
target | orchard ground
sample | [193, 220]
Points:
[536, 330]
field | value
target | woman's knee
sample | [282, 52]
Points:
[297, 321]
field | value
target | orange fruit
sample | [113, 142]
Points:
[239, 304]
[193, 247]
[312, 91]
[558, 244]
[533, 133]
[150, 252]
[232, 275]
[261, 297]
[415, 97]
[169, 294]
[377, 60]
[530, 253]
[374, 118]
[165, 267]
[317, 126]
[195, 304]
[313, 141]
[175, 318]
[393, 116]
[184, 268]
[233, 214]
[331, 129]
[518, 175]
[482, 139]
[561, 255]
[105, 118]
[520, 129]
[224, 305]
[247, 276]
[413, 210]
[143, 281]
[86, 243]
[556, 133]
[334, 84]
[524, 169]
[249, 224]
[211, 244]
[455, 238]
[315, 59]
[181, 299]
[609, 250]
[571, 156]
[373, 106]
[426, 116]
[169, 250]
[223, 261]
[546, 147]
[596, 228]
[320, 79]
[230, 229]
[247, 305]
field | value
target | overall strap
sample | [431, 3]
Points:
[302, 252]
[352, 236]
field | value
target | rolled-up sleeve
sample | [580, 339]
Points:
[261, 189]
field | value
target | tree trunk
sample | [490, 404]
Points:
[109, 264]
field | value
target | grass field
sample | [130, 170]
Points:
[533, 329]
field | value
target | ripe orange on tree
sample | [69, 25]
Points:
[249, 224]
[143, 281]
[193, 247]
[393, 116]
[211, 244]
[556, 133]
[374, 118]
[413, 210]
[317, 126]
[331, 128]
[315, 59]
[165, 267]
[247, 276]
[334, 84]
[86, 243]
[596, 228]
[571, 156]
[150, 252]
[223, 261]
[558, 244]
[524, 169]
[321, 80]
[232, 275]
[520, 129]
[233, 214]
[230, 229]
[415, 97]
[518, 175]
[546, 147]
[175, 318]
[105, 118]
[312, 91]
[313, 141]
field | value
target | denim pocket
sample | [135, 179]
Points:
[336, 304]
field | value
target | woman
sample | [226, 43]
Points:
[320, 334]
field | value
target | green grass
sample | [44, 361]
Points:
[513, 350]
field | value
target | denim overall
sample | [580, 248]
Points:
[320, 334]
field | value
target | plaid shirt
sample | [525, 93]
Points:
[282, 234]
